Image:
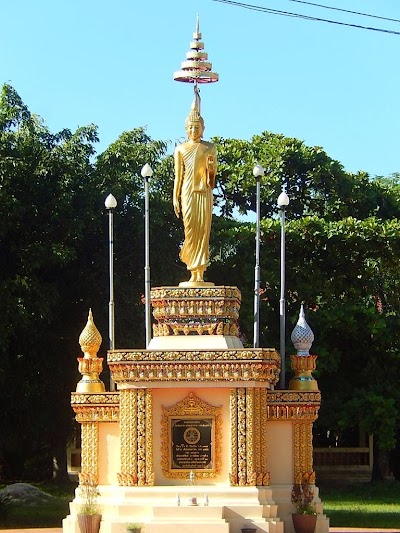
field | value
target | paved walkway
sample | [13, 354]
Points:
[331, 530]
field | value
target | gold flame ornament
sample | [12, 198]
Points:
[90, 366]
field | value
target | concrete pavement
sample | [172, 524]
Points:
[331, 530]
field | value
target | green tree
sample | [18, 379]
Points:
[342, 261]
[45, 182]
[343, 240]
[54, 267]
[315, 183]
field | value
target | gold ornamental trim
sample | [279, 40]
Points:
[128, 442]
[257, 428]
[292, 397]
[302, 449]
[149, 467]
[305, 477]
[103, 407]
[263, 436]
[248, 437]
[195, 307]
[198, 327]
[89, 453]
[136, 443]
[260, 437]
[250, 423]
[141, 438]
[288, 405]
[241, 429]
[304, 412]
[90, 366]
[106, 398]
[303, 363]
[174, 293]
[191, 406]
[233, 407]
[292, 412]
[96, 414]
[255, 354]
[201, 371]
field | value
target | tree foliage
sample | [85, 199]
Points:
[54, 267]
[45, 210]
[315, 183]
[342, 260]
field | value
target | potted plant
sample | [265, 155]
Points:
[134, 527]
[89, 516]
[305, 517]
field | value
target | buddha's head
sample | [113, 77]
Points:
[194, 125]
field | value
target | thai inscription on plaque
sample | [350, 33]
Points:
[192, 440]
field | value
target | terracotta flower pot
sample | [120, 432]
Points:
[304, 523]
[89, 523]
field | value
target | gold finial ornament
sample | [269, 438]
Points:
[90, 366]
[90, 338]
[196, 68]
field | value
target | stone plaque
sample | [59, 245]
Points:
[192, 440]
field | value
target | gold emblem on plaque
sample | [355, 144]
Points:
[192, 435]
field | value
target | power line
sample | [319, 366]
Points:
[344, 10]
[305, 17]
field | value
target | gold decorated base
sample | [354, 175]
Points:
[303, 383]
[90, 386]
[195, 308]
[303, 366]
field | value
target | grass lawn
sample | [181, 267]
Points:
[363, 505]
[40, 514]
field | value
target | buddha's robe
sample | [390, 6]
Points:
[195, 183]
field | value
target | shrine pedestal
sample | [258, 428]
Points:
[157, 507]
[196, 419]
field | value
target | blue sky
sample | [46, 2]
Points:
[76, 62]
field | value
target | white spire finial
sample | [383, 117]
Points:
[302, 335]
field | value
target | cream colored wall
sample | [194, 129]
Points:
[280, 452]
[279, 441]
[169, 397]
[109, 454]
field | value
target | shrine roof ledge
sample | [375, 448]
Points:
[229, 355]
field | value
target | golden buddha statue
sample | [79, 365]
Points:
[195, 170]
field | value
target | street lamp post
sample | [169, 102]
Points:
[283, 202]
[110, 204]
[147, 173]
[258, 172]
